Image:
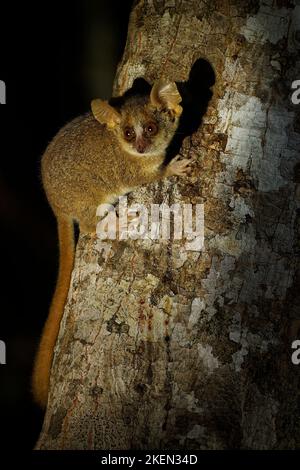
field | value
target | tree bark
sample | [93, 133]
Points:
[166, 348]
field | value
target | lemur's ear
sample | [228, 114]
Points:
[164, 94]
[104, 113]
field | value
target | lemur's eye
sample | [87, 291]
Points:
[151, 128]
[129, 133]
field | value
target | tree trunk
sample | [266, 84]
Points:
[162, 347]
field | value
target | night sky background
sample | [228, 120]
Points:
[55, 57]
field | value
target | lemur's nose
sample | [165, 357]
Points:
[141, 145]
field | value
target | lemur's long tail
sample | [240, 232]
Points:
[43, 360]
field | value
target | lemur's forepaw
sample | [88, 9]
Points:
[180, 167]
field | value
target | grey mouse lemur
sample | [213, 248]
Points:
[93, 160]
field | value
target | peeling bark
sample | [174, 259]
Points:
[165, 348]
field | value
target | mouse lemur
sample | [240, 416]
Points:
[95, 159]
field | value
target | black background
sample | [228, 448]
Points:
[55, 57]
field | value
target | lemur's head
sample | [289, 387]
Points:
[144, 125]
